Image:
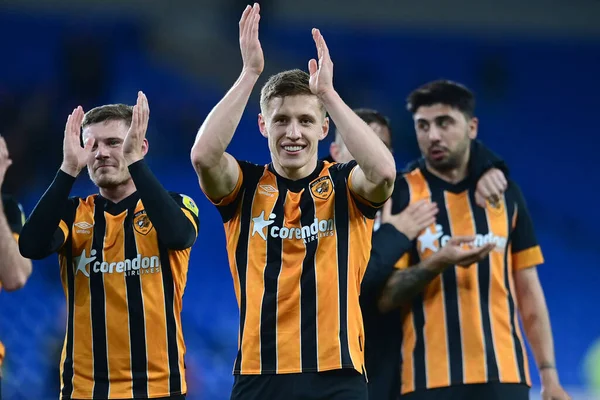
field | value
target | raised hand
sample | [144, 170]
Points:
[133, 149]
[490, 187]
[252, 54]
[75, 157]
[5, 160]
[460, 251]
[412, 220]
[321, 73]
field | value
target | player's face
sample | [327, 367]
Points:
[340, 152]
[444, 135]
[106, 165]
[294, 125]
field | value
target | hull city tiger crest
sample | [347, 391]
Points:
[142, 223]
[322, 188]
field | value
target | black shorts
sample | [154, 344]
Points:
[344, 384]
[487, 391]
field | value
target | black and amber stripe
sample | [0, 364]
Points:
[297, 292]
[463, 327]
[124, 337]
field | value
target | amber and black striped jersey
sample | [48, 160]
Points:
[297, 251]
[124, 269]
[15, 218]
[463, 328]
[124, 292]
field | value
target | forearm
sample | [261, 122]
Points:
[216, 132]
[536, 323]
[373, 157]
[41, 235]
[14, 269]
[405, 284]
[173, 227]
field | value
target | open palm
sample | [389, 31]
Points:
[74, 156]
[252, 54]
[321, 72]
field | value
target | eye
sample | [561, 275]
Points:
[280, 120]
[422, 126]
[114, 142]
[306, 121]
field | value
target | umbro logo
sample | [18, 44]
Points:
[83, 227]
[268, 190]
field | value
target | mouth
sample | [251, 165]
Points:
[103, 167]
[437, 153]
[293, 149]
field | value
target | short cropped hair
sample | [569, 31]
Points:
[109, 112]
[443, 92]
[293, 82]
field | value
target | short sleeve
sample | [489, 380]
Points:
[526, 251]
[367, 208]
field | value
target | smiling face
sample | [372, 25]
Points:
[294, 125]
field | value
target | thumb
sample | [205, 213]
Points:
[312, 66]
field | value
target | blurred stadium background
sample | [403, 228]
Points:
[534, 67]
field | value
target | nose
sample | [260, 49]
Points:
[101, 152]
[434, 134]
[293, 131]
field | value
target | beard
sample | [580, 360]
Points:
[109, 180]
[453, 159]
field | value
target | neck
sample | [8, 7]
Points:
[295, 174]
[452, 176]
[119, 192]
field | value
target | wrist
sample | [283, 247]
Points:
[435, 264]
[250, 74]
[70, 169]
[133, 159]
[548, 374]
[328, 96]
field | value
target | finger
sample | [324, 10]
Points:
[251, 21]
[479, 199]
[89, 144]
[77, 121]
[134, 120]
[324, 47]
[68, 124]
[425, 223]
[459, 240]
[501, 179]
[254, 26]
[316, 34]
[145, 114]
[312, 66]
[244, 17]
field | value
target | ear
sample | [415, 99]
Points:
[262, 125]
[145, 146]
[334, 150]
[473, 127]
[324, 129]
